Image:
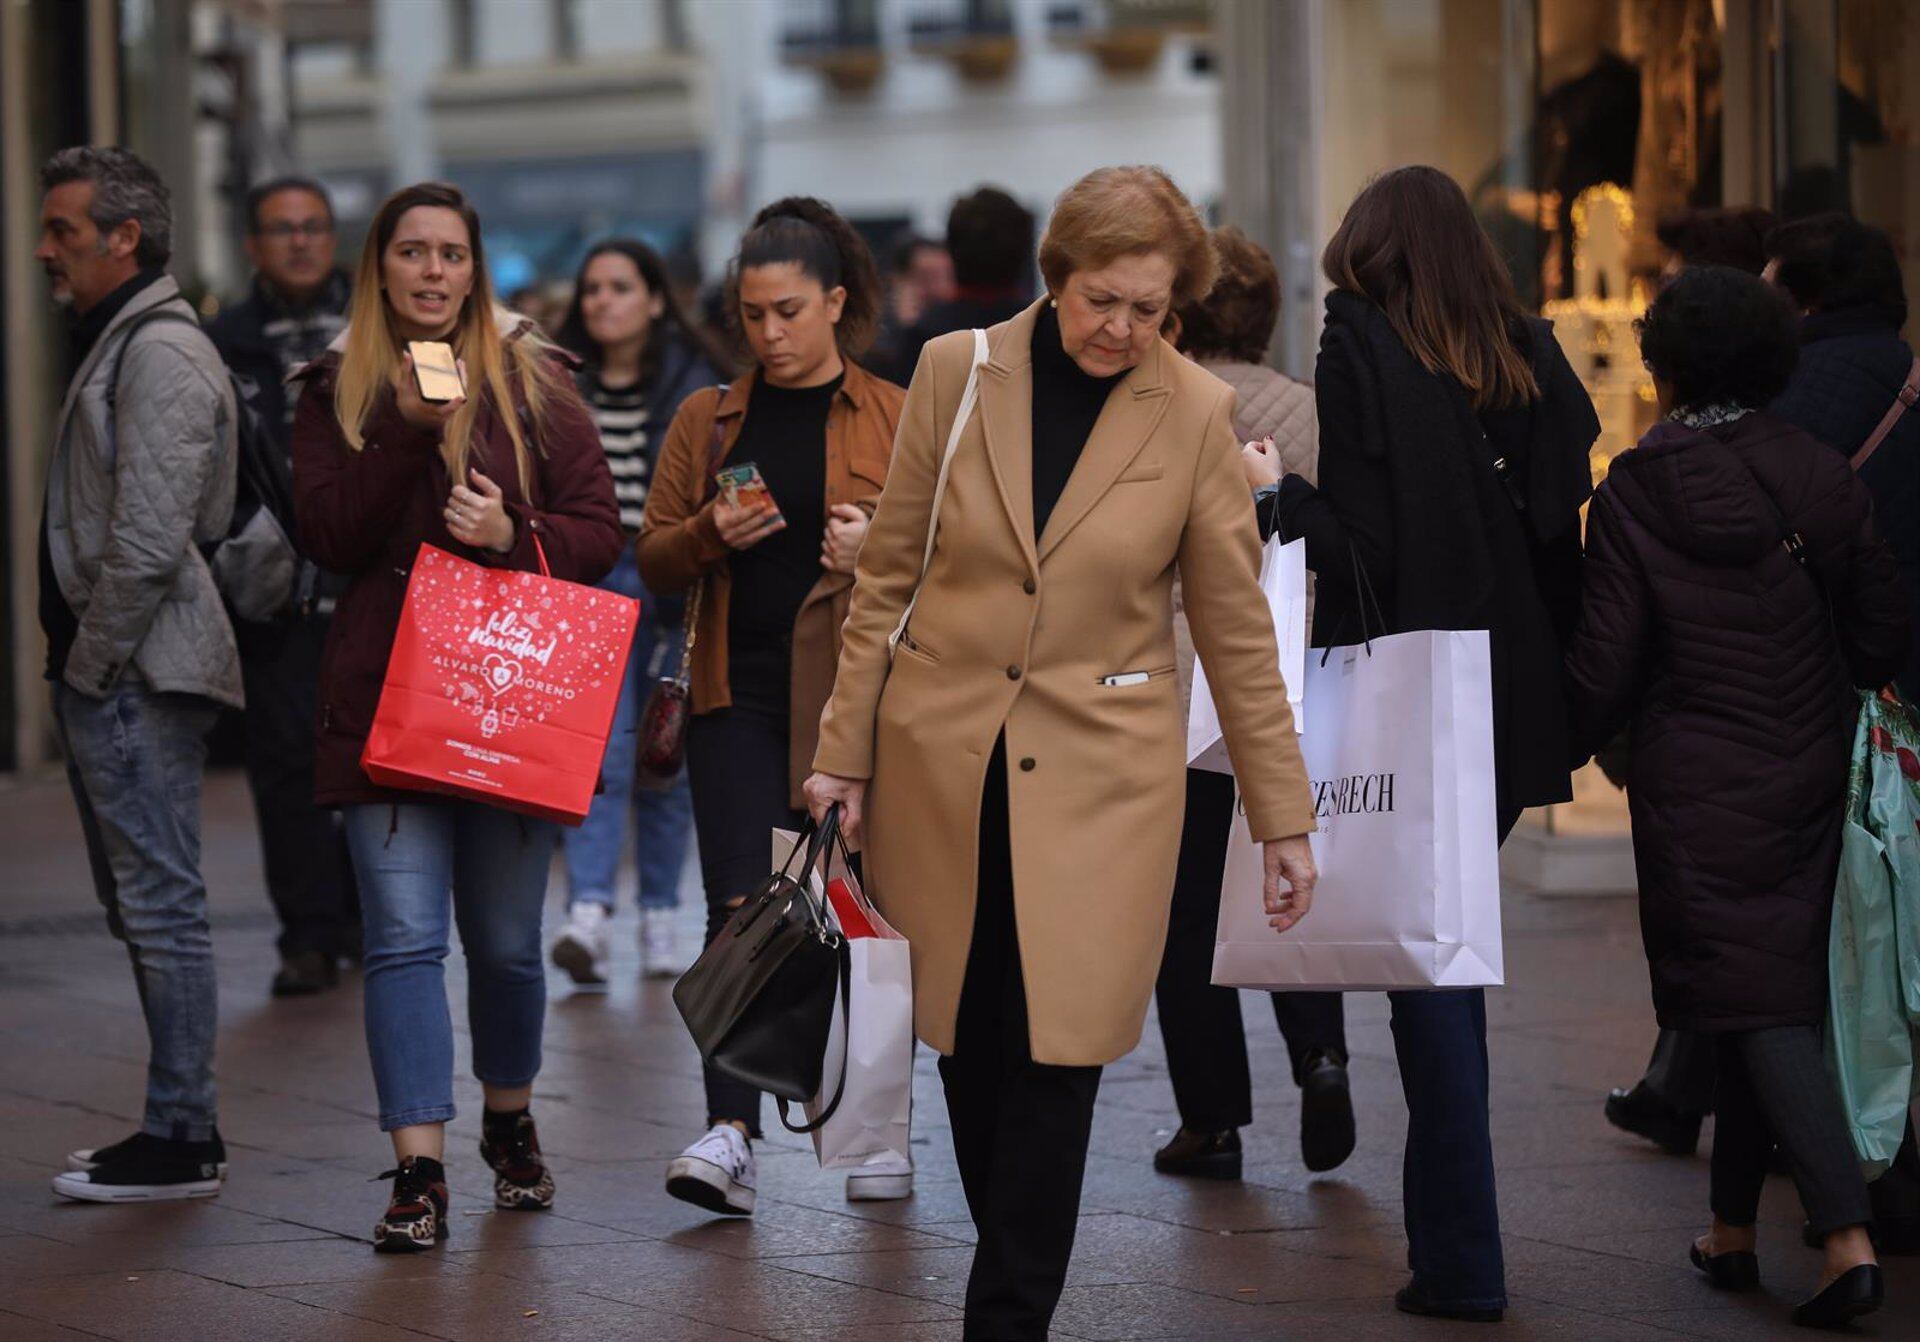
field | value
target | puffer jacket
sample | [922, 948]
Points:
[1731, 664]
[1266, 404]
[141, 476]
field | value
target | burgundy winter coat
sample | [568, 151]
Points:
[366, 513]
[1732, 664]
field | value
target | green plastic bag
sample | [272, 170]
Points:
[1873, 956]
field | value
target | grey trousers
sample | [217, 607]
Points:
[1773, 1086]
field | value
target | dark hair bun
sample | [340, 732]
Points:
[809, 233]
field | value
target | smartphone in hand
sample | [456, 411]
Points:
[742, 486]
[435, 371]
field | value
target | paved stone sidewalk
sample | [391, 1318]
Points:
[1596, 1224]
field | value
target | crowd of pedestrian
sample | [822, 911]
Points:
[1003, 521]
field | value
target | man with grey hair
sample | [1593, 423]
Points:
[139, 650]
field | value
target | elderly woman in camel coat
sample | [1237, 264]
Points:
[1016, 767]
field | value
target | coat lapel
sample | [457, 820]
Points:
[1006, 422]
[1126, 422]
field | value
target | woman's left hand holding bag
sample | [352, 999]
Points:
[824, 790]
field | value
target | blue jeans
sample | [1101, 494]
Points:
[135, 761]
[662, 819]
[421, 866]
[1452, 1217]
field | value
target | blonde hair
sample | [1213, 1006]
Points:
[1116, 212]
[373, 347]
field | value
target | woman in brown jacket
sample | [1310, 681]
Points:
[775, 580]
[377, 472]
[1018, 764]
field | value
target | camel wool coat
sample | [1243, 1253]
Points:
[1014, 633]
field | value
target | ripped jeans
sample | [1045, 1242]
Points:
[421, 868]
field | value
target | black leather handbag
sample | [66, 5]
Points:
[759, 1001]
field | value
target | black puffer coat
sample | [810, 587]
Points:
[1852, 364]
[1700, 630]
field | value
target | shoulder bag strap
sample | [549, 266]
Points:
[716, 449]
[960, 417]
[1909, 393]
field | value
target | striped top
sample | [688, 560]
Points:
[625, 433]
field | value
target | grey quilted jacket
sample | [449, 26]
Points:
[1266, 404]
[130, 502]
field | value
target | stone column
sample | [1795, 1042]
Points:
[1270, 136]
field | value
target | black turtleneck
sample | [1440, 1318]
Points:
[89, 326]
[1066, 402]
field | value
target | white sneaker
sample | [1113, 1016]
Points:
[716, 1172]
[886, 1178]
[581, 947]
[659, 958]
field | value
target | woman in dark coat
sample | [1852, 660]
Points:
[1700, 630]
[1453, 463]
[1845, 279]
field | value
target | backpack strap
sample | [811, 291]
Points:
[152, 317]
[1909, 393]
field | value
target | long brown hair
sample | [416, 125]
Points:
[1410, 243]
[374, 345]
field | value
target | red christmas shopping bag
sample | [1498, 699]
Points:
[501, 687]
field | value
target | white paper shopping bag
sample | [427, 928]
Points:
[875, 1114]
[1399, 752]
[1283, 577]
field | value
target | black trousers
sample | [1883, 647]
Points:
[1681, 1070]
[1020, 1128]
[304, 848]
[1773, 1086]
[1200, 1023]
[737, 770]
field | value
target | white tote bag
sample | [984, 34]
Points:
[1283, 578]
[1400, 753]
[875, 1116]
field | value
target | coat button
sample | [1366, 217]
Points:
[1029, 587]
[1027, 765]
[1013, 673]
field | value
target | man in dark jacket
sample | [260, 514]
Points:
[1845, 279]
[296, 305]
[990, 237]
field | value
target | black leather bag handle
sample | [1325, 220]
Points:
[826, 838]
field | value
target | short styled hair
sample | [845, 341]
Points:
[265, 191]
[990, 237]
[1718, 237]
[1831, 262]
[1236, 320]
[1717, 334]
[1116, 212]
[125, 188]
